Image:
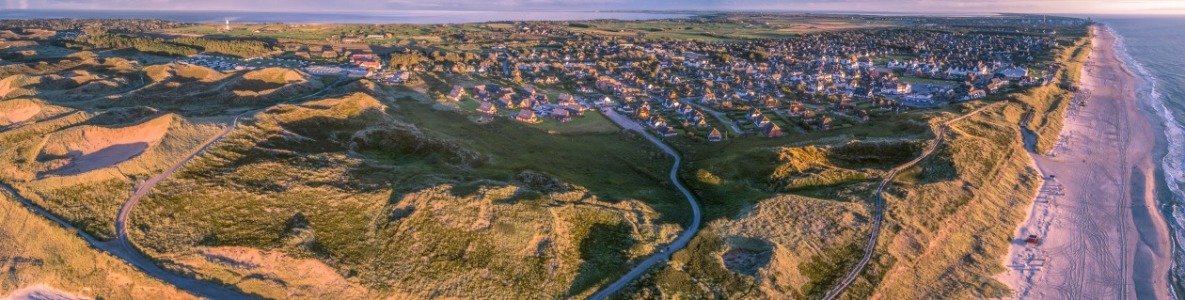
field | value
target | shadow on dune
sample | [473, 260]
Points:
[103, 158]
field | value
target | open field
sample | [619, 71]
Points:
[727, 28]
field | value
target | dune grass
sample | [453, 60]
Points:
[34, 251]
[535, 215]
[1048, 104]
[91, 199]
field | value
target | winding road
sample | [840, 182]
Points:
[122, 248]
[679, 243]
[879, 203]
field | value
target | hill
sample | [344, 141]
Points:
[330, 182]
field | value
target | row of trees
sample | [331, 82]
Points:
[119, 25]
[104, 39]
[183, 46]
[240, 48]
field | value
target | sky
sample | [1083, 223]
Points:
[903, 6]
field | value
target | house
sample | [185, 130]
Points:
[526, 116]
[666, 131]
[904, 88]
[715, 136]
[371, 65]
[644, 111]
[976, 94]
[527, 103]
[573, 108]
[763, 121]
[561, 115]
[487, 108]
[457, 93]
[772, 131]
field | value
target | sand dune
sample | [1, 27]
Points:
[159, 73]
[18, 85]
[16, 111]
[87, 148]
[275, 274]
[267, 81]
[40, 292]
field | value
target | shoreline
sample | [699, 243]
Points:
[1101, 232]
[1169, 172]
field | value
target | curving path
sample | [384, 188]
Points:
[879, 203]
[664, 253]
[121, 247]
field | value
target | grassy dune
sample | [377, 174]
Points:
[405, 201]
[784, 222]
[1048, 104]
[81, 166]
[195, 90]
[39, 254]
[950, 218]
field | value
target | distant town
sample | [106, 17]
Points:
[684, 87]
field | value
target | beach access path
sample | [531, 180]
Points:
[1101, 234]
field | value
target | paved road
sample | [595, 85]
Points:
[197, 288]
[134, 257]
[879, 203]
[121, 247]
[679, 243]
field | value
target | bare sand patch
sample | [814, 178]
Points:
[267, 81]
[17, 111]
[40, 292]
[87, 148]
[274, 274]
[159, 73]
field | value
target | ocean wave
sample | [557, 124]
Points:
[1174, 133]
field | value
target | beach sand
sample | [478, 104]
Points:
[1101, 234]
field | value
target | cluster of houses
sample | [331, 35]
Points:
[762, 87]
[531, 105]
[811, 82]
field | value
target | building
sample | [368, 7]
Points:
[456, 93]
[487, 108]
[526, 116]
[666, 131]
[715, 136]
[561, 115]
[772, 131]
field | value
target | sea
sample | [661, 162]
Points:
[342, 17]
[1155, 48]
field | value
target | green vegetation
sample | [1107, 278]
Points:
[182, 46]
[1048, 104]
[38, 254]
[370, 190]
[454, 205]
[979, 179]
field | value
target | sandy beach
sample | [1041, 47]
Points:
[1101, 235]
